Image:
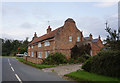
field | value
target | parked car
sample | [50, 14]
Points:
[19, 55]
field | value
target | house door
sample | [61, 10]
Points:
[36, 54]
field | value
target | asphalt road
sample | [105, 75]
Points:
[13, 70]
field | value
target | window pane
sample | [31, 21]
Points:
[78, 39]
[39, 44]
[46, 54]
[70, 38]
[39, 53]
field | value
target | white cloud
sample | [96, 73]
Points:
[105, 4]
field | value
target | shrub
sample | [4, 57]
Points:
[105, 63]
[55, 59]
[78, 51]
[80, 59]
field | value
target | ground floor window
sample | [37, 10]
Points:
[29, 54]
[39, 55]
[32, 54]
[46, 54]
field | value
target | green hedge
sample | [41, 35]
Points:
[105, 63]
[55, 59]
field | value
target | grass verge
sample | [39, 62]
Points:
[40, 66]
[86, 77]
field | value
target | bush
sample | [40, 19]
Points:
[80, 59]
[55, 59]
[105, 63]
[78, 51]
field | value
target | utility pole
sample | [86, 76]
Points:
[119, 33]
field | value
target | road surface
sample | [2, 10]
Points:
[13, 70]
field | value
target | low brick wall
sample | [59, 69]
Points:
[33, 60]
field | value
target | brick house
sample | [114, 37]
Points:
[61, 40]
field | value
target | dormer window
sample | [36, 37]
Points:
[47, 43]
[70, 38]
[39, 44]
[78, 39]
[32, 47]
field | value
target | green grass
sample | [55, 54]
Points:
[91, 77]
[40, 66]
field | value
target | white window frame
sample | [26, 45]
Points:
[70, 38]
[39, 55]
[28, 53]
[39, 44]
[32, 54]
[32, 47]
[78, 39]
[47, 43]
[46, 54]
[28, 47]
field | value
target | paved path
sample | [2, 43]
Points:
[13, 70]
[62, 70]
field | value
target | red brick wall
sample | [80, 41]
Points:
[43, 48]
[96, 47]
[62, 43]
[33, 60]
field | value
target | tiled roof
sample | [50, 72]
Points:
[86, 38]
[94, 40]
[45, 36]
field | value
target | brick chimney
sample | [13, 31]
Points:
[99, 38]
[49, 29]
[81, 36]
[90, 37]
[35, 36]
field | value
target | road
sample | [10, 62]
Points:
[13, 70]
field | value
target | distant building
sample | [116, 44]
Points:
[61, 40]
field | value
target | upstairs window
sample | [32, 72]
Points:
[32, 47]
[39, 55]
[70, 38]
[78, 39]
[39, 44]
[47, 43]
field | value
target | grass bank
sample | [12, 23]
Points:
[86, 77]
[40, 66]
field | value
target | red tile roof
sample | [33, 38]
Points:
[45, 36]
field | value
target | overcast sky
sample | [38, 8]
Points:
[22, 19]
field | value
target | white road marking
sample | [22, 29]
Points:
[12, 68]
[18, 78]
[8, 60]
[14, 71]
[9, 64]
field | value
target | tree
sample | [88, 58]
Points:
[112, 40]
[12, 47]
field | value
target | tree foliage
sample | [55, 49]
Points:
[12, 47]
[81, 50]
[112, 40]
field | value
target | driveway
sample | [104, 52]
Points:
[62, 70]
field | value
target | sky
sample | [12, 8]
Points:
[23, 19]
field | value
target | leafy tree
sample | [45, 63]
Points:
[12, 47]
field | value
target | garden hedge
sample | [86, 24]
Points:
[105, 63]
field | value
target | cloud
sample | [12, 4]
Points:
[27, 25]
[105, 4]
[95, 25]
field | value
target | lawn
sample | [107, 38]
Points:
[40, 66]
[87, 77]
